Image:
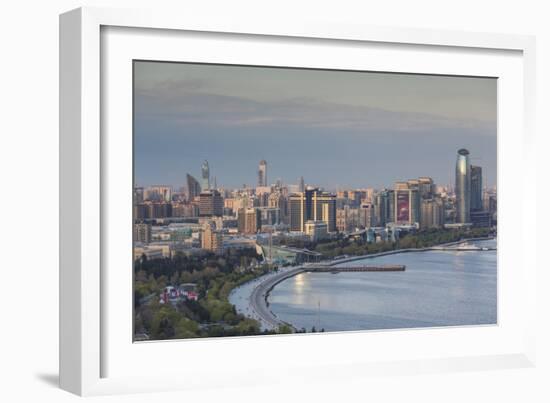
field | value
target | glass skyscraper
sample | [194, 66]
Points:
[463, 186]
[476, 203]
[262, 173]
[205, 173]
[193, 187]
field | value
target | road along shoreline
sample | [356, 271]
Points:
[260, 294]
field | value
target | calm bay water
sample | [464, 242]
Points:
[438, 288]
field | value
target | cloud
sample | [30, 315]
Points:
[184, 103]
[367, 130]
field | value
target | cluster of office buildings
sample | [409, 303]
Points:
[207, 217]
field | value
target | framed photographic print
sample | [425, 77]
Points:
[257, 194]
[303, 176]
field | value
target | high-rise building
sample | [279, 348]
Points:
[249, 220]
[297, 214]
[185, 209]
[490, 202]
[159, 210]
[402, 205]
[342, 219]
[476, 186]
[312, 205]
[193, 187]
[277, 200]
[138, 195]
[211, 239]
[415, 206]
[270, 215]
[406, 202]
[352, 219]
[369, 195]
[414, 187]
[355, 197]
[262, 194]
[390, 213]
[324, 209]
[432, 213]
[426, 187]
[210, 204]
[192, 210]
[301, 185]
[237, 203]
[367, 214]
[205, 175]
[262, 173]
[158, 193]
[342, 194]
[463, 186]
[141, 211]
[142, 232]
[382, 208]
[241, 220]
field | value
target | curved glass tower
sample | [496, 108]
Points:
[193, 187]
[463, 186]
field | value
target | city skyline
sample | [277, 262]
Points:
[336, 129]
[248, 180]
[318, 212]
[192, 179]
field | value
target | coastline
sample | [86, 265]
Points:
[258, 298]
[396, 251]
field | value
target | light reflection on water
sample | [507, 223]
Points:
[437, 289]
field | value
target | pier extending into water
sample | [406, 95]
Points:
[366, 267]
[258, 298]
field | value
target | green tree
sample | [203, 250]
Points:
[284, 329]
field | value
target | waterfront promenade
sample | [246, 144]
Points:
[258, 298]
[259, 305]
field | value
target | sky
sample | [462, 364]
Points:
[337, 129]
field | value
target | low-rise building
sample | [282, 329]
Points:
[189, 291]
[149, 252]
[481, 219]
[317, 230]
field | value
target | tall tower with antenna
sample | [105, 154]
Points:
[301, 185]
[262, 173]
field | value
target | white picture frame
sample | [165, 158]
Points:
[96, 357]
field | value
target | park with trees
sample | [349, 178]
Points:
[413, 240]
[212, 315]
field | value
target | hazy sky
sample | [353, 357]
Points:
[336, 129]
